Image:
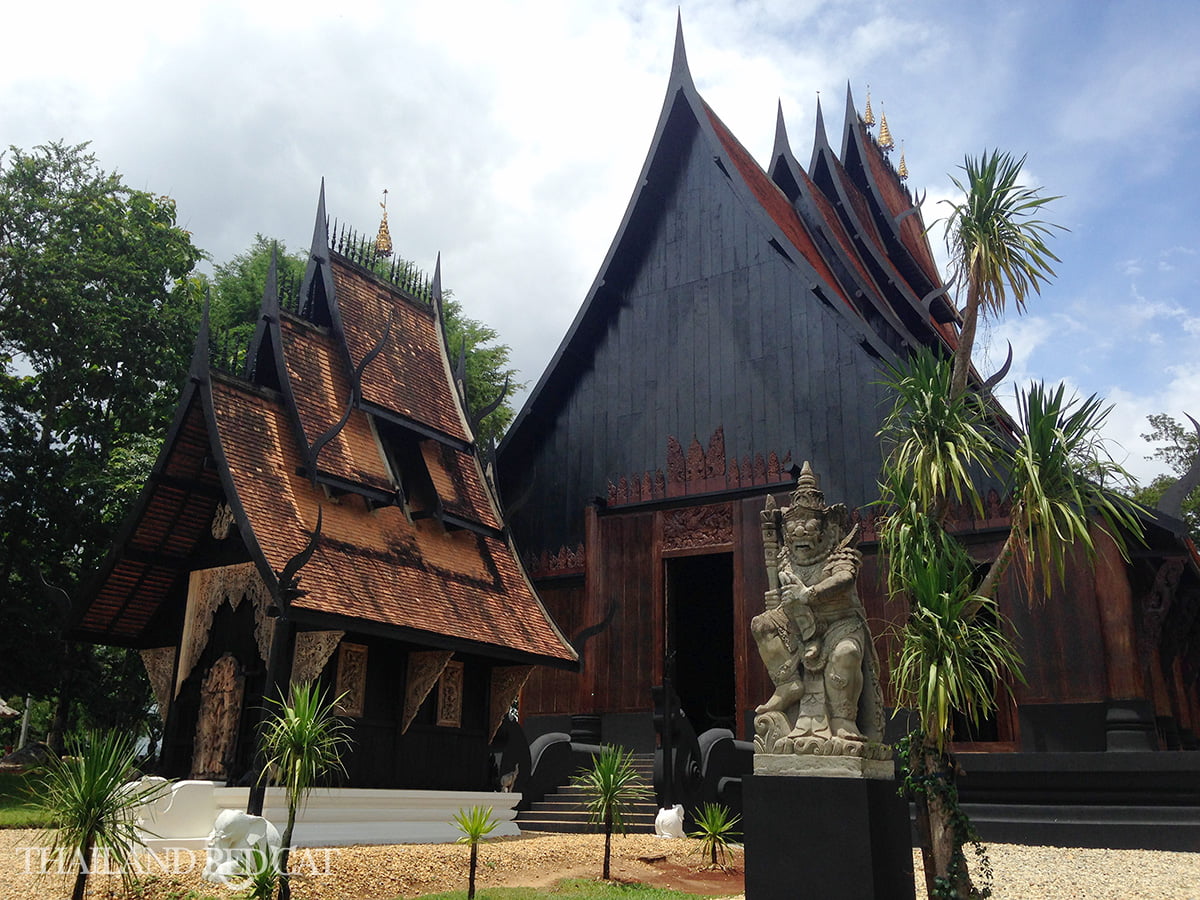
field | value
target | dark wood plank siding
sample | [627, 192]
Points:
[710, 327]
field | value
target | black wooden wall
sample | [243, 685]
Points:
[699, 323]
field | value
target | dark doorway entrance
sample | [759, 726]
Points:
[700, 632]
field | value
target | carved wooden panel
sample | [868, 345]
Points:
[352, 679]
[507, 682]
[313, 649]
[424, 670]
[698, 526]
[217, 723]
[160, 666]
[450, 696]
[567, 561]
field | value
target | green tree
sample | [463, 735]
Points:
[475, 824]
[87, 797]
[955, 647]
[611, 785]
[997, 247]
[303, 741]
[97, 311]
[1180, 446]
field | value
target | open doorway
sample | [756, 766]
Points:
[700, 632]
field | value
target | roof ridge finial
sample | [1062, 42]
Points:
[383, 240]
[868, 116]
[902, 172]
[885, 134]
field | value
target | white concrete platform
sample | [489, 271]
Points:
[332, 817]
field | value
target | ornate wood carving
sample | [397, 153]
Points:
[424, 669]
[352, 679]
[699, 471]
[217, 723]
[313, 649]
[567, 561]
[222, 523]
[160, 666]
[450, 696]
[207, 590]
[507, 682]
[698, 526]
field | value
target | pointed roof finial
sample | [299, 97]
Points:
[868, 116]
[885, 134]
[903, 170]
[383, 240]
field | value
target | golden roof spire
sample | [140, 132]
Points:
[383, 240]
[868, 116]
[885, 133]
[903, 170]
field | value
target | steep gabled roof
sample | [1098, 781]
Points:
[897, 217]
[346, 411]
[684, 117]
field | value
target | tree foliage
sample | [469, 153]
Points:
[1180, 445]
[96, 315]
[997, 245]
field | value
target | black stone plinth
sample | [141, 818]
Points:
[808, 836]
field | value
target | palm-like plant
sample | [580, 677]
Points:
[955, 645]
[475, 824]
[303, 741]
[89, 796]
[997, 245]
[714, 828]
[611, 786]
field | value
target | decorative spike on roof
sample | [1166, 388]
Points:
[903, 170]
[868, 116]
[885, 134]
[383, 240]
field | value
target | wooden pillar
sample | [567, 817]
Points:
[593, 606]
[1114, 602]
[279, 674]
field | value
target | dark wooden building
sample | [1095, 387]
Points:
[735, 329]
[342, 454]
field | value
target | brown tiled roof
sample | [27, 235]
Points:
[321, 387]
[897, 201]
[459, 483]
[374, 565]
[171, 517]
[835, 224]
[775, 203]
[409, 376]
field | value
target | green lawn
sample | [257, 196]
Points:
[15, 809]
[569, 889]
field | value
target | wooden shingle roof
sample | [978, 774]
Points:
[347, 411]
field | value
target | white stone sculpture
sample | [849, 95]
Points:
[669, 822]
[230, 844]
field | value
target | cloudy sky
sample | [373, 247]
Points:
[510, 136]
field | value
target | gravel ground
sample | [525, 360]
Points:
[373, 873]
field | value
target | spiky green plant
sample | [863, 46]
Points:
[91, 799]
[997, 245]
[714, 828]
[955, 646]
[259, 869]
[303, 741]
[611, 786]
[475, 824]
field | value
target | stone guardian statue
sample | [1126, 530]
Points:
[813, 636]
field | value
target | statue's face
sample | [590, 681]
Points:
[809, 541]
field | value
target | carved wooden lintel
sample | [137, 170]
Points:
[698, 526]
[700, 470]
[566, 561]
